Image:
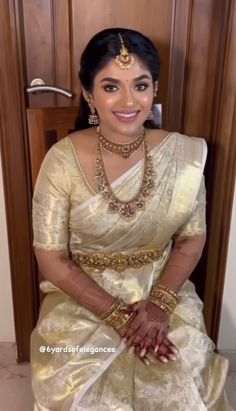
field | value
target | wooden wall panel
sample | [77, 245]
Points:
[178, 64]
[222, 172]
[205, 103]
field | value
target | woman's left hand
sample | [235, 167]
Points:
[149, 327]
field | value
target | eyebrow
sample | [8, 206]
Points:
[116, 81]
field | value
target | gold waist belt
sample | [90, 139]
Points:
[118, 261]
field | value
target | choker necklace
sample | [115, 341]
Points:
[121, 149]
[128, 208]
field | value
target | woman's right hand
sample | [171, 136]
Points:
[165, 352]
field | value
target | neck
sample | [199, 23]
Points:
[120, 137]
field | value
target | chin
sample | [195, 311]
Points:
[129, 129]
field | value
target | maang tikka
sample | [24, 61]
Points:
[124, 59]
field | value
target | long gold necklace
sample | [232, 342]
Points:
[128, 208]
[121, 149]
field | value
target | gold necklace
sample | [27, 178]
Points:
[121, 149]
[130, 207]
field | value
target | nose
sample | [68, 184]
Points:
[128, 98]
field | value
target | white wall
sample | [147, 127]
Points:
[7, 332]
[227, 334]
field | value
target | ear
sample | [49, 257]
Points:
[155, 87]
[85, 94]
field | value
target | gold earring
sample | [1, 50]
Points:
[150, 115]
[93, 117]
[155, 88]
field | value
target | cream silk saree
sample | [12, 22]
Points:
[68, 214]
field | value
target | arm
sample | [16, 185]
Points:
[150, 326]
[51, 215]
[151, 323]
[60, 270]
[184, 257]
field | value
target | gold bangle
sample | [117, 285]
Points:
[164, 297]
[161, 305]
[130, 319]
[165, 294]
[111, 309]
[167, 289]
[116, 318]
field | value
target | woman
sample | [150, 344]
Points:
[119, 225]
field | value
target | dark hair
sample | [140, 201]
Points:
[104, 46]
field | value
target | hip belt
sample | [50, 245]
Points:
[119, 261]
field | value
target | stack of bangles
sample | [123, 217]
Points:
[164, 297]
[117, 315]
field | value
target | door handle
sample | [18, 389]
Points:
[38, 86]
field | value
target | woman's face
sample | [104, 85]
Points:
[123, 98]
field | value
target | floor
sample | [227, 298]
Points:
[15, 389]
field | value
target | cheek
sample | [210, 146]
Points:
[147, 100]
[104, 101]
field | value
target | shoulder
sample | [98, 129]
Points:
[191, 140]
[156, 136]
[63, 150]
[193, 148]
[84, 141]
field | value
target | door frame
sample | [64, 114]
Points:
[16, 178]
[15, 157]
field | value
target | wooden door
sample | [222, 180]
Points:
[45, 39]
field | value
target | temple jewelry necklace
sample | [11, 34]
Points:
[123, 150]
[127, 208]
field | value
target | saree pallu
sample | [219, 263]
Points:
[68, 214]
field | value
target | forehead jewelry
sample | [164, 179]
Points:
[124, 59]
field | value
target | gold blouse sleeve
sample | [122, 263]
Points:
[51, 202]
[196, 223]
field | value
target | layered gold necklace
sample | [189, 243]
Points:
[121, 149]
[128, 208]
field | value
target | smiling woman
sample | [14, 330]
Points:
[119, 225]
[123, 99]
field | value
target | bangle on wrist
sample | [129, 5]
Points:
[167, 289]
[164, 297]
[159, 304]
[116, 317]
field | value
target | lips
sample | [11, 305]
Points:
[126, 116]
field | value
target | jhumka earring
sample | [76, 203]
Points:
[124, 59]
[93, 117]
[150, 115]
